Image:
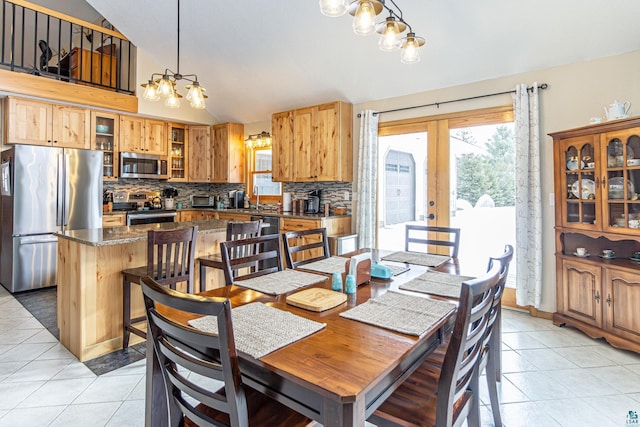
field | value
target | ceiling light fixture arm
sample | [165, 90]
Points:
[397, 15]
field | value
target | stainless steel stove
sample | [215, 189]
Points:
[139, 209]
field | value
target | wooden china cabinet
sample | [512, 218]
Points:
[597, 202]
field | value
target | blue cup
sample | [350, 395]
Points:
[350, 284]
[336, 282]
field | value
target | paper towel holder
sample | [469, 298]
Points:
[286, 202]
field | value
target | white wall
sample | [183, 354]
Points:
[576, 93]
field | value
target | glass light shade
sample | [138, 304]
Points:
[173, 101]
[333, 8]
[390, 39]
[150, 91]
[165, 87]
[410, 53]
[364, 19]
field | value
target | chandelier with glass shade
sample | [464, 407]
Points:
[163, 85]
[391, 30]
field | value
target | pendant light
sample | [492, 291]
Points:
[333, 8]
[164, 87]
[364, 13]
[410, 49]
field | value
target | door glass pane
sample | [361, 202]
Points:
[402, 186]
[482, 167]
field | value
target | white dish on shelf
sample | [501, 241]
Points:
[634, 259]
[607, 257]
[633, 162]
[587, 255]
[616, 188]
[588, 187]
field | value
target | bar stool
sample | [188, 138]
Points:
[170, 260]
[235, 231]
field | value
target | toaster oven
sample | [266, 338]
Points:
[202, 201]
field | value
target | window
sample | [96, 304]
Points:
[259, 176]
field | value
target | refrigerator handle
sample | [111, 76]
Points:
[59, 200]
[67, 189]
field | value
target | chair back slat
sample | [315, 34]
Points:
[305, 246]
[262, 249]
[422, 235]
[181, 350]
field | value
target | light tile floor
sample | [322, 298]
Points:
[552, 377]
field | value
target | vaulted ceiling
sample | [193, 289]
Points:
[259, 57]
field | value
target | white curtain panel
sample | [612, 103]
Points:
[528, 197]
[367, 179]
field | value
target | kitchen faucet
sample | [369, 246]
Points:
[255, 191]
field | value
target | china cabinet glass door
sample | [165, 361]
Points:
[581, 183]
[104, 138]
[622, 180]
[177, 145]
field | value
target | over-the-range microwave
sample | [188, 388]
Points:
[136, 165]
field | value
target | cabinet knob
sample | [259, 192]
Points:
[609, 300]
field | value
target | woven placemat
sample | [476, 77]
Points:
[281, 282]
[399, 312]
[436, 283]
[427, 260]
[397, 268]
[260, 329]
[328, 265]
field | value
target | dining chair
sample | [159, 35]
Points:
[170, 260]
[186, 354]
[257, 252]
[444, 395]
[421, 235]
[491, 357]
[235, 231]
[305, 246]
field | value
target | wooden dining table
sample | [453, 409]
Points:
[337, 376]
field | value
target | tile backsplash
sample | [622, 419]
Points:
[332, 192]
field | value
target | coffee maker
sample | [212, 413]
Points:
[313, 202]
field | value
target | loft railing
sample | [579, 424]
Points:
[47, 43]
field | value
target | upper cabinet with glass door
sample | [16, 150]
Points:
[104, 137]
[621, 180]
[580, 183]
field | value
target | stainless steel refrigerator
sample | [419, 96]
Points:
[44, 190]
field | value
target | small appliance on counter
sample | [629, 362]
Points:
[236, 199]
[202, 201]
[313, 202]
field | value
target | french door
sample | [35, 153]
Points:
[432, 172]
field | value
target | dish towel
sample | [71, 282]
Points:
[407, 314]
[259, 329]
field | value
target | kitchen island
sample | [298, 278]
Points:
[90, 281]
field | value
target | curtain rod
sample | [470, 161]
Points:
[542, 86]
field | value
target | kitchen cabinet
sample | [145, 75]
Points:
[313, 144]
[104, 137]
[40, 123]
[597, 179]
[199, 154]
[228, 153]
[146, 136]
[233, 216]
[178, 146]
[196, 215]
[114, 220]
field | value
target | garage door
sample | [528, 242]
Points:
[400, 178]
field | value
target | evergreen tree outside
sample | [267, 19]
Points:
[492, 173]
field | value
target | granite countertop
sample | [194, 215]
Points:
[267, 212]
[136, 233]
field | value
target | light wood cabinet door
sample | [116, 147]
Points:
[199, 154]
[228, 153]
[106, 141]
[28, 122]
[131, 134]
[155, 137]
[582, 292]
[71, 127]
[304, 161]
[333, 142]
[282, 146]
[621, 301]
[178, 145]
